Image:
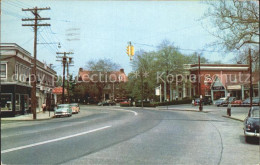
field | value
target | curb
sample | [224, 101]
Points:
[232, 118]
[184, 110]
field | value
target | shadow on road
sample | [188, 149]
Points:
[252, 141]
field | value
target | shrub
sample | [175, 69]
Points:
[146, 104]
[125, 104]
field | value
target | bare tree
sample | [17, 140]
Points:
[235, 23]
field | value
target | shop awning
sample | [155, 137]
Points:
[234, 87]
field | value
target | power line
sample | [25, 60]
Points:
[194, 50]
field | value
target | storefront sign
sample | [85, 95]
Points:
[218, 88]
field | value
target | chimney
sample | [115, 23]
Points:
[122, 70]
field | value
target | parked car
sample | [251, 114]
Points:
[219, 101]
[230, 100]
[204, 101]
[251, 123]
[255, 101]
[63, 110]
[237, 103]
[75, 107]
[106, 103]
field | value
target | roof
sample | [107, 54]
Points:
[230, 81]
[96, 76]
[219, 67]
[14, 46]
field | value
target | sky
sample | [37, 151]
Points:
[102, 29]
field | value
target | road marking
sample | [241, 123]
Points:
[53, 140]
[128, 111]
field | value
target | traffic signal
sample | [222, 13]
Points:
[128, 50]
[132, 50]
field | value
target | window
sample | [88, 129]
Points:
[3, 70]
[16, 72]
[6, 102]
[26, 102]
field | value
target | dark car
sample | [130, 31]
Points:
[251, 124]
[204, 101]
[106, 103]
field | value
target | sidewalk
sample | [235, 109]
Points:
[29, 117]
[237, 116]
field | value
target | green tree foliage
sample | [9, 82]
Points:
[166, 59]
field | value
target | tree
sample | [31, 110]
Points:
[234, 23]
[166, 60]
[102, 66]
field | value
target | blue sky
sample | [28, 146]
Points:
[104, 28]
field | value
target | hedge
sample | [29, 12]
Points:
[146, 104]
[175, 102]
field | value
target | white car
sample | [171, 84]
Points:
[63, 110]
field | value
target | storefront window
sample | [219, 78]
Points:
[17, 102]
[6, 102]
[26, 102]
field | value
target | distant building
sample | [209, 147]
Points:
[102, 85]
[16, 64]
[217, 80]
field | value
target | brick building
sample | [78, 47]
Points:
[103, 85]
[16, 64]
[219, 79]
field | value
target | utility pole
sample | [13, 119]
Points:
[250, 72]
[200, 108]
[64, 61]
[68, 77]
[37, 17]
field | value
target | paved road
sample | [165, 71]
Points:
[113, 135]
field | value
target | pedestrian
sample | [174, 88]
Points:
[229, 109]
[44, 107]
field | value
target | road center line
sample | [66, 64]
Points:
[53, 140]
[128, 111]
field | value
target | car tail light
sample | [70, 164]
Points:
[248, 126]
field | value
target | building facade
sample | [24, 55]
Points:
[16, 69]
[217, 80]
[99, 86]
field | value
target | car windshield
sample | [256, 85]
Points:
[63, 106]
[255, 113]
[74, 104]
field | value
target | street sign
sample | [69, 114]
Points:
[157, 91]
